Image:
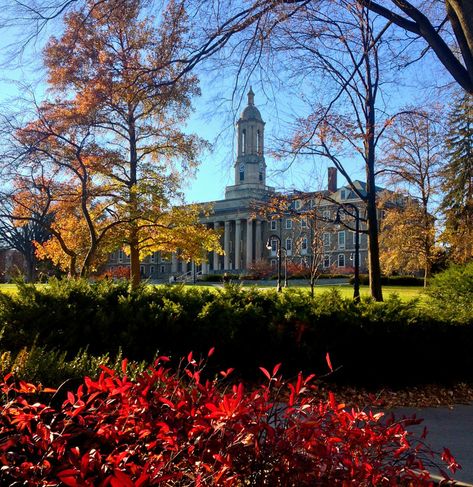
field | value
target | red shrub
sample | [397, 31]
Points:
[170, 429]
[117, 272]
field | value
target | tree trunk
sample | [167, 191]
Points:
[372, 215]
[72, 267]
[373, 250]
[133, 236]
[135, 275]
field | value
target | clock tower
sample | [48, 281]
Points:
[250, 166]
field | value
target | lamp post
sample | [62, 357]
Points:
[278, 254]
[356, 280]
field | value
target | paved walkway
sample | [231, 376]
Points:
[451, 428]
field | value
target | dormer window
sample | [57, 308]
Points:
[343, 194]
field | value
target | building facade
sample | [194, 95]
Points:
[247, 237]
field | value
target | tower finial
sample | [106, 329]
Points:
[251, 97]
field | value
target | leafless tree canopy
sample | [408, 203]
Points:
[443, 27]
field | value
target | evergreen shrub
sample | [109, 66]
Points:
[392, 343]
[451, 293]
[392, 280]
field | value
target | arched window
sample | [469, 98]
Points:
[258, 142]
[243, 141]
[242, 171]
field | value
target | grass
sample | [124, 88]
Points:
[404, 292]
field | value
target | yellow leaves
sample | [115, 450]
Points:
[177, 228]
[407, 238]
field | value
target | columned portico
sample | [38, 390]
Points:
[174, 263]
[249, 242]
[216, 256]
[226, 245]
[258, 241]
[237, 244]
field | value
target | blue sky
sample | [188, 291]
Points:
[215, 115]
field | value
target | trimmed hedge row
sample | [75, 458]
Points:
[392, 280]
[394, 342]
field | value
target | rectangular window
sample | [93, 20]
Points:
[304, 246]
[304, 223]
[289, 246]
[274, 246]
[153, 257]
[326, 214]
[341, 239]
[343, 194]
[341, 260]
[288, 224]
[326, 261]
[326, 239]
[142, 270]
[274, 225]
[120, 255]
[273, 263]
[297, 204]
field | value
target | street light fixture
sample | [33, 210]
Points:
[356, 280]
[278, 254]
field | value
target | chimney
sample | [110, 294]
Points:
[332, 179]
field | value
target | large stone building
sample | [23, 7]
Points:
[245, 235]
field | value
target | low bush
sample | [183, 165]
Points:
[220, 277]
[451, 293]
[52, 367]
[392, 280]
[172, 429]
[394, 343]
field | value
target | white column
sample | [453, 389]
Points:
[249, 242]
[173, 262]
[226, 246]
[237, 243]
[216, 227]
[258, 240]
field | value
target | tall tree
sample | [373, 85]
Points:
[413, 154]
[24, 237]
[351, 124]
[53, 163]
[115, 64]
[457, 181]
[407, 237]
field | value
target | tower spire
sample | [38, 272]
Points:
[251, 97]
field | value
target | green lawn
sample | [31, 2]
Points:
[404, 292]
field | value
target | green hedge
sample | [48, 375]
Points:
[392, 280]
[371, 343]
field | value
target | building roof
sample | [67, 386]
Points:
[251, 112]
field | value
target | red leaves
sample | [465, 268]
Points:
[163, 427]
[329, 362]
[273, 375]
[449, 459]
